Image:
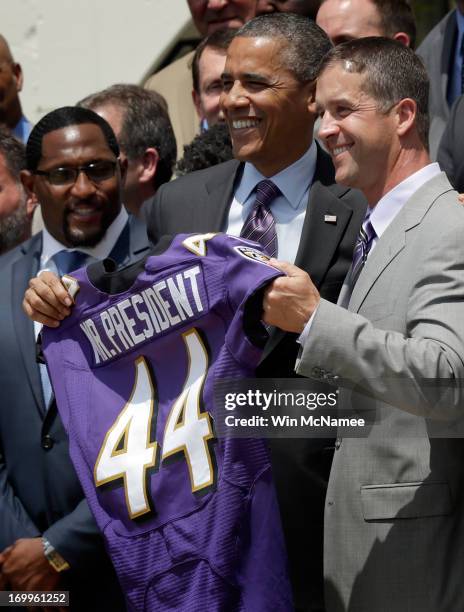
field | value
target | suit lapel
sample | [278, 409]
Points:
[319, 238]
[22, 270]
[132, 243]
[219, 193]
[394, 238]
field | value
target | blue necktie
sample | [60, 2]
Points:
[260, 225]
[68, 261]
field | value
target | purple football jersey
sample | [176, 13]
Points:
[190, 521]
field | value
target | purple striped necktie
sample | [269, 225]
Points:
[361, 249]
[260, 224]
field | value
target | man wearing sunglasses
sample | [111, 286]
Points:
[48, 538]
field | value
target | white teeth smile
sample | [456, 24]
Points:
[338, 150]
[244, 123]
[84, 211]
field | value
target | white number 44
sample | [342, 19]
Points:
[127, 451]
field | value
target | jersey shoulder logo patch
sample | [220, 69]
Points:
[253, 254]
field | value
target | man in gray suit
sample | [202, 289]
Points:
[48, 537]
[394, 528]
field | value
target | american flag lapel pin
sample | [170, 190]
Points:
[330, 218]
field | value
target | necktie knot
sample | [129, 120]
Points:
[266, 192]
[260, 224]
[68, 261]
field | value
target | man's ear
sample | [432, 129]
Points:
[31, 205]
[197, 103]
[406, 110]
[403, 38]
[149, 163]
[122, 163]
[312, 97]
[27, 181]
[18, 74]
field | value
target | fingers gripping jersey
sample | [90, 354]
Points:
[190, 521]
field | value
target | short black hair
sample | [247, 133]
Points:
[145, 123]
[13, 151]
[211, 147]
[219, 40]
[305, 42]
[61, 118]
[391, 73]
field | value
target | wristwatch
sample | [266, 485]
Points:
[54, 557]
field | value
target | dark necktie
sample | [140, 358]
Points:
[260, 225]
[361, 249]
[68, 261]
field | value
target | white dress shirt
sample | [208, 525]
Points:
[385, 211]
[288, 209]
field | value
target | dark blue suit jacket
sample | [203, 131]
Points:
[39, 490]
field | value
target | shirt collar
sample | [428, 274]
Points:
[292, 181]
[392, 202]
[51, 246]
[22, 129]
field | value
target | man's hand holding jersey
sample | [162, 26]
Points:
[289, 301]
[46, 300]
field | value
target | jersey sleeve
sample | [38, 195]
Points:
[247, 274]
[247, 271]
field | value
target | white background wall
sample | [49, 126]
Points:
[70, 48]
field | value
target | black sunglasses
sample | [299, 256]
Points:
[95, 172]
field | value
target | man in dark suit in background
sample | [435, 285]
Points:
[449, 154]
[441, 52]
[268, 103]
[48, 538]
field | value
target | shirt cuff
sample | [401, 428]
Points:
[305, 333]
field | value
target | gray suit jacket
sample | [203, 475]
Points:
[436, 51]
[394, 517]
[39, 490]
